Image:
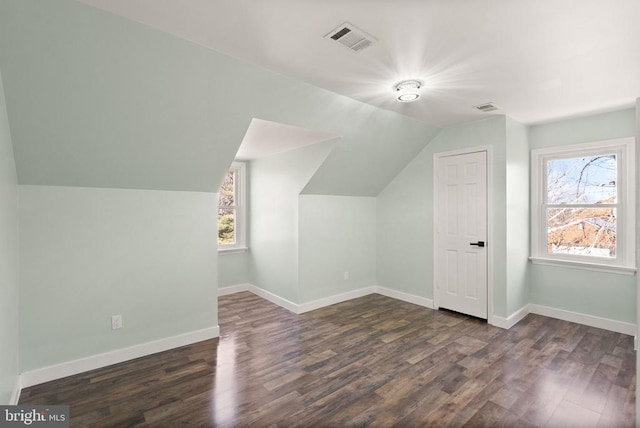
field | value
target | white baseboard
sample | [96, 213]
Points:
[326, 301]
[511, 320]
[304, 307]
[590, 320]
[46, 374]
[15, 395]
[332, 300]
[274, 298]
[506, 323]
[406, 297]
[233, 289]
[561, 314]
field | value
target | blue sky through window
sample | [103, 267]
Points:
[582, 180]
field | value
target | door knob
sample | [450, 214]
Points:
[479, 243]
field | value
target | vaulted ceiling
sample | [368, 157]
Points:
[97, 100]
[536, 60]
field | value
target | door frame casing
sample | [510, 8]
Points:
[436, 156]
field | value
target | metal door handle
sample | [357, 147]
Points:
[479, 243]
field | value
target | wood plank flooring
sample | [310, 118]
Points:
[372, 361]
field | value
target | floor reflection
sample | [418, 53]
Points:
[225, 389]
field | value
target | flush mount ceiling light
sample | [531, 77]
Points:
[408, 91]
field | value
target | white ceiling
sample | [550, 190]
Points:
[265, 138]
[538, 60]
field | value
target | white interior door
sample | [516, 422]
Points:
[461, 233]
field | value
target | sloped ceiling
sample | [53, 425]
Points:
[265, 138]
[537, 59]
[100, 101]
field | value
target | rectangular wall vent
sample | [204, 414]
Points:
[486, 107]
[350, 36]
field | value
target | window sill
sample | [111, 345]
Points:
[622, 270]
[236, 250]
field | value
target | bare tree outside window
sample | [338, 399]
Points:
[227, 210]
[581, 205]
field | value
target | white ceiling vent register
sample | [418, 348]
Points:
[486, 107]
[352, 37]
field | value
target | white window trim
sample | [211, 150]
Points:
[625, 229]
[240, 184]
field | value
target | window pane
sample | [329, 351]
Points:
[582, 180]
[226, 197]
[582, 231]
[226, 226]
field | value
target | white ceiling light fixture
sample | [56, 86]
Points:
[408, 91]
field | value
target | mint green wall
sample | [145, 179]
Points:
[405, 252]
[8, 259]
[518, 213]
[404, 229]
[233, 269]
[276, 183]
[87, 254]
[600, 294]
[99, 101]
[337, 234]
[375, 147]
[616, 124]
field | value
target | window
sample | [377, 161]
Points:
[231, 210]
[583, 206]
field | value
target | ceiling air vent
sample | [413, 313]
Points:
[486, 107]
[350, 36]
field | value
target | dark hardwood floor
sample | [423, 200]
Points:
[372, 361]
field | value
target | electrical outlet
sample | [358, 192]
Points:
[116, 322]
[346, 275]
